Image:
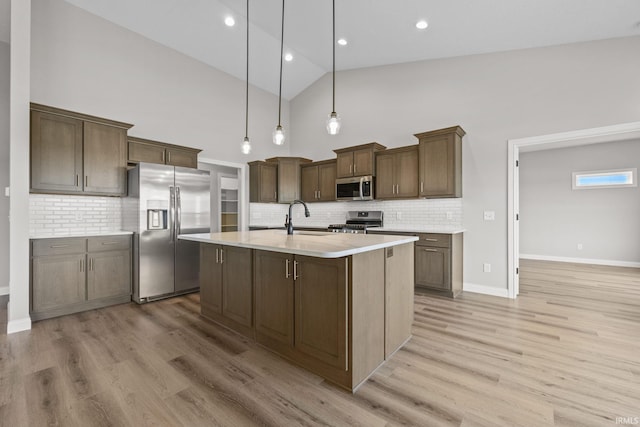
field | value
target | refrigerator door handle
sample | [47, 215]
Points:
[178, 211]
[172, 214]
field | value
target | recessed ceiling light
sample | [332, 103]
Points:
[342, 42]
[288, 57]
[422, 24]
[229, 21]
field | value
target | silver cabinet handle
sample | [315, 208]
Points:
[90, 264]
[221, 255]
[354, 168]
[286, 268]
[168, 156]
[109, 243]
[81, 266]
[422, 186]
[77, 180]
[318, 194]
[217, 258]
[295, 270]
[393, 189]
[163, 160]
[351, 168]
[59, 246]
[430, 240]
[430, 250]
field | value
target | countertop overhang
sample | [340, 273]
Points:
[308, 243]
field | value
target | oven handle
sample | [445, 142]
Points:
[361, 189]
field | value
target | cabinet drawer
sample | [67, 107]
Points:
[433, 239]
[109, 243]
[60, 246]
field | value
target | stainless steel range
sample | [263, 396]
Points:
[358, 222]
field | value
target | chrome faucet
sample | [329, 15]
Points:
[288, 223]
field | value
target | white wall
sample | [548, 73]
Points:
[494, 97]
[554, 219]
[4, 168]
[87, 64]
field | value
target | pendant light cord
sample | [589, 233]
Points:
[334, 57]
[246, 105]
[281, 56]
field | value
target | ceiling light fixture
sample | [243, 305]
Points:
[278, 133]
[246, 145]
[288, 57]
[229, 21]
[422, 24]
[342, 42]
[333, 121]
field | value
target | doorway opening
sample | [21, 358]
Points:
[229, 194]
[613, 133]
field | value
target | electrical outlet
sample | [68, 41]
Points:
[398, 215]
[486, 267]
[489, 215]
[449, 215]
[579, 246]
[78, 216]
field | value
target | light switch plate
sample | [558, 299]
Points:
[489, 215]
[7, 192]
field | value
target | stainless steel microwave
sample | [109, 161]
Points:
[356, 188]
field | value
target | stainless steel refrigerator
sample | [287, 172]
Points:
[163, 202]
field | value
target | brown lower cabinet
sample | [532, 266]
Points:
[69, 275]
[337, 317]
[226, 291]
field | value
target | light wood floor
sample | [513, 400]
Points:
[566, 352]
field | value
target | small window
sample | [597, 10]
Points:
[605, 179]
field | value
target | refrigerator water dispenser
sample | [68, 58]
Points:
[156, 219]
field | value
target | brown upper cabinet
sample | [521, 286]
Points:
[288, 188]
[397, 173]
[263, 182]
[318, 181]
[440, 153]
[145, 150]
[357, 161]
[74, 153]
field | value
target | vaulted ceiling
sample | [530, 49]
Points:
[378, 32]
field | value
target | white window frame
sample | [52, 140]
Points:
[574, 176]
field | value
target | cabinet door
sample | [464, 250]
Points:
[56, 153]
[344, 162]
[109, 274]
[385, 180]
[105, 159]
[288, 180]
[437, 166]
[433, 267]
[237, 289]
[184, 158]
[57, 281]
[268, 184]
[210, 279]
[273, 281]
[406, 174]
[327, 182]
[363, 162]
[321, 319]
[145, 152]
[309, 183]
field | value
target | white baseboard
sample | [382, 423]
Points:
[610, 262]
[486, 290]
[17, 325]
[4, 290]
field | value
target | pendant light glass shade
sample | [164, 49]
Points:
[278, 135]
[333, 123]
[246, 145]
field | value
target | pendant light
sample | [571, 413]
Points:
[333, 121]
[246, 145]
[278, 133]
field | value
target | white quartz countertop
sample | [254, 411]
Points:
[419, 229]
[310, 243]
[80, 234]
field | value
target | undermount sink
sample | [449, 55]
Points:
[310, 233]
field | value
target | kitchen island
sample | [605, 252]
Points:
[337, 304]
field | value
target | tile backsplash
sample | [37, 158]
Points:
[52, 215]
[419, 212]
